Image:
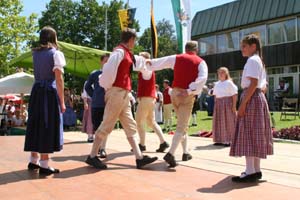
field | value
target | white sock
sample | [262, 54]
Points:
[44, 163]
[34, 160]
[99, 137]
[135, 147]
[184, 144]
[175, 142]
[257, 164]
[194, 119]
[103, 145]
[250, 165]
[158, 132]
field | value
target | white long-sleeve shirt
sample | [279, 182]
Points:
[168, 62]
[110, 68]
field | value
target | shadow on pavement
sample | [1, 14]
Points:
[155, 167]
[226, 185]
[17, 176]
[209, 147]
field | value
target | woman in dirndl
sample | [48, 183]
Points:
[225, 92]
[44, 132]
[87, 123]
[253, 136]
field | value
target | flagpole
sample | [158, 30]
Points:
[105, 32]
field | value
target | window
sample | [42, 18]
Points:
[282, 32]
[292, 69]
[228, 42]
[260, 31]
[207, 45]
[298, 19]
[275, 70]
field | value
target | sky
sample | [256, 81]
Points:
[162, 9]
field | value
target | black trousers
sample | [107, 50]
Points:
[97, 117]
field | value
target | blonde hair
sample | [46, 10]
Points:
[145, 55]
[225, 69]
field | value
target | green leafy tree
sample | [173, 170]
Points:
[83, 23]
[167, 45]
[15, 32]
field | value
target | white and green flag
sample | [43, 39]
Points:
[183, 21]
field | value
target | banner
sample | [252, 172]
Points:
[154, 40]
[126, 17]
[182, 16]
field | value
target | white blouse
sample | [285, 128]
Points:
[168, 62]
[110, 68]
[254, 69]
[59, 61]
[225, 89]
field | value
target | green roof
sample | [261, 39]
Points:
[241, 13]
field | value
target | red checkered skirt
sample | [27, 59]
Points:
[253, 135]
[224, 120]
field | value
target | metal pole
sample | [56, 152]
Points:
[105, 32]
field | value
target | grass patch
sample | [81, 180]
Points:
[204, 122]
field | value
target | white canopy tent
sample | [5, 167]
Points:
[17, 83]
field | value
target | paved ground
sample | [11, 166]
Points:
[207, 176]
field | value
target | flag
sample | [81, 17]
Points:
[182, 15]
[126, 17]
[154, 40]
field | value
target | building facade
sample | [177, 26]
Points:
[219, 31]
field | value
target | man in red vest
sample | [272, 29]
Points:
[167, 106]
[116, 81]
[145, 111]
[190, 75]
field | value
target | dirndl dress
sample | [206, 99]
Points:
[87, 123]
[224, 120]
[253, 134]
[44, 132]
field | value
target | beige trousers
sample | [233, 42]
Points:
[117, 106]
[145, 113]
[167, 115]
[183, 108]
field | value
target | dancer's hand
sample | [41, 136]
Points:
[62, 107]
[242, 110]
[148, 62]
[183, 93]
[86, 106]
[233, 109]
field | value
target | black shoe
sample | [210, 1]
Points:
[194, 124]
[218, 144]
[95, 162]
[226, 145]
[246, 179]
[90, 140]
[169, 158]
[32, 166]
[162, 147]
[48, 171]
[186, 157]
[142, 147]
[258, 175]
[144, 161]
[102, 153]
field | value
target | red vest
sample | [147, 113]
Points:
[146, 88]
[186, 70]
[167, 97]
[123, 74]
